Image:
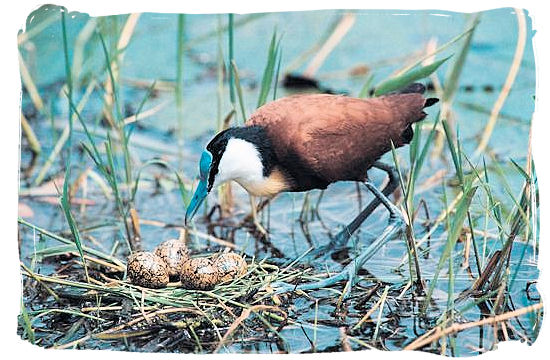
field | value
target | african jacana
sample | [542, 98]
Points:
[305, 142]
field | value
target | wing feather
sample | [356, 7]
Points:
[337, 137]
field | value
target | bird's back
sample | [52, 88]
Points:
[320, 139]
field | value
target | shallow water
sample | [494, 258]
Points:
[375, 37]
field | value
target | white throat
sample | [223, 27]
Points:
[241, 161]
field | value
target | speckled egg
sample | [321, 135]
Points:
[174, 253]
[229, 266]
[147, 269]
[199, 274]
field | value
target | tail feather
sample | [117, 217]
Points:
[417, 88]
[430, 101]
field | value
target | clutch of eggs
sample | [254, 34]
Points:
[170, 261]
[174, 253]
[147, 269]
[204, 273]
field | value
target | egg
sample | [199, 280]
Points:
[147, 269]
[230, 265]
[174, 253]
[199, 274]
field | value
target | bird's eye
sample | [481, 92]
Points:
[204, 165]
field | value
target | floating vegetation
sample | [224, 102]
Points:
[144, 310]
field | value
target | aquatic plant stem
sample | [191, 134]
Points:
[344, 25]
[231, 60]
[380, 312]
[438, 333]
[245, 314]
[29, 84]
[514, 69]
[34, 143]
[225, 193]
[64, 136]
[179, 84]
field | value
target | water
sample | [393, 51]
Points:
[376, 36]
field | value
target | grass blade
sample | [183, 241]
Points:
[235, 72]
[179, 83]
[111, 76]
[34, 143]
[454, 233]
[451, 82]
[364, 92]
[183, 192]
[453, 150]
[419, 161]
[68, 75]
[400, 81]
[65, 205]
[60, 143]
[269, 70]
[230, 36]
[435, 52]
[26, 323]
[276, 82]
[510, 79]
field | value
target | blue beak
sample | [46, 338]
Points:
[202, 188]
[196, 201]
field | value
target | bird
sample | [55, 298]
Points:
[309, 141]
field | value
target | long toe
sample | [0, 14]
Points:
[281, 287]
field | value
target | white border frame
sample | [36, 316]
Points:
[13, 19]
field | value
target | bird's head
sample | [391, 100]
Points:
[233, 154]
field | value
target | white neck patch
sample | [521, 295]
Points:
[241, 161]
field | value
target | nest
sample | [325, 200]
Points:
[100, 294]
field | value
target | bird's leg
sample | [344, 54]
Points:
[255, 219]
[350, 271]
[341, 239]
[249, 217]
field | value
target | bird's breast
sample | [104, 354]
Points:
[268, 186]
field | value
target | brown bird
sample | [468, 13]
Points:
[305, 142]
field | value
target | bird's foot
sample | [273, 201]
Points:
[349, 273]
[336, 245]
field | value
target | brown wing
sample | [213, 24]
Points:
[338, 137]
